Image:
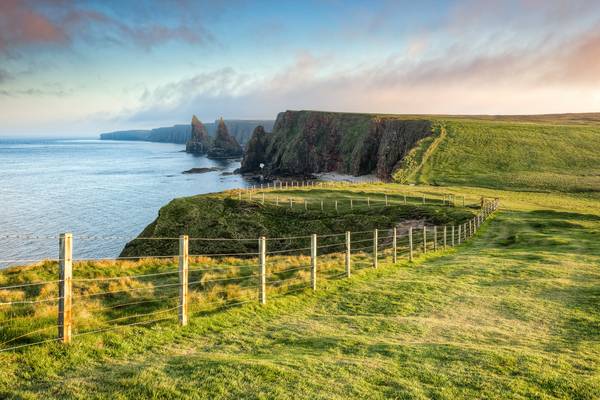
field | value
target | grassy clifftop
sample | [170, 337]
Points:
[502, 154]
[222, 216]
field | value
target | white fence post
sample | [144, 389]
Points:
[183, 279]
[348, 253]
[375, 247]
[65, 287]
[313, 261]
[459, 234]
[434, 237]
[424, 239]
[262, 271]
[452, 240]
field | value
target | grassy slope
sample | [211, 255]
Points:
[528, 156]
[512, 314]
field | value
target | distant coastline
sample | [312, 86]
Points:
[240, 129]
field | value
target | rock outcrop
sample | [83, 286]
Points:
[200, 142]
[224, 145]
[308, 142]
[240, 129]
[256, 149]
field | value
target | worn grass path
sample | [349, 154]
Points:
[513, 314]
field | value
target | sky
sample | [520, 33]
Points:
[77, 68]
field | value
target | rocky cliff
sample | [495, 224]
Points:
[307, 142]
[224, 145]
[240, 129]
[199, 142]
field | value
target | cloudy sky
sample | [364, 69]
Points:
[82, 67]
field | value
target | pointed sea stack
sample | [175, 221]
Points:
[199, 142]
[224, 145]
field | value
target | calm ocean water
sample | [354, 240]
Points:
[92, 188]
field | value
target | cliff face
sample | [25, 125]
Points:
[240, 129]
[224, 145]
[199, 143]
[306, 142]
[256, 149]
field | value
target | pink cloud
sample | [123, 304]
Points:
[22, 25]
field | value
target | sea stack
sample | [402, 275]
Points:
[256, 150]
[199, 142]
[224, 145]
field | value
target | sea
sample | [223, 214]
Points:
[103, 192]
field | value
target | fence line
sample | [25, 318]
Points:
[195, 286]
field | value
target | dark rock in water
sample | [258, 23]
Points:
[227, 173]
[200, 170]
[224, 145]
[307, 142]
[256, 150]
[200, 141]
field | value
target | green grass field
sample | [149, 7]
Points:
[524, 156]
[513, 313]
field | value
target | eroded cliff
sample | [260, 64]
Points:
[308, 142]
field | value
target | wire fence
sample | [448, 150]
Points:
[58, 300]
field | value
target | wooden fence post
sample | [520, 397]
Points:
[348, 253]
[65, 287]
[375, 247]
[452, 240]
[459, 234]
[183, 279]
[424, 239]
[313, 261]
[410, 244]
[262, 270]
[395, 245]
[434, 237]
